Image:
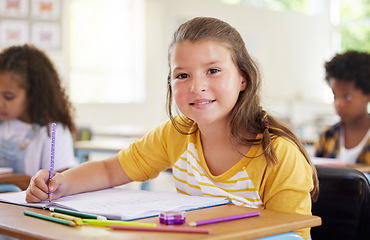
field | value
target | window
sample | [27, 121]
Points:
[354, 25]
[296, 5]
[107, 51]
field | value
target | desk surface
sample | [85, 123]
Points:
[361, 167]
[17, 225]
[365, 168]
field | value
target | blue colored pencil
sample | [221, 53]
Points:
[51, 172]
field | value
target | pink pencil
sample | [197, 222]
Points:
[161, 229]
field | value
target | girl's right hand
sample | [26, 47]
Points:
[38, 190]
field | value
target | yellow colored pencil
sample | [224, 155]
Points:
[77, 220]
[116, 222]
[48, 218]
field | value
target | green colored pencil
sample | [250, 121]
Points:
[77, 214]
[48, 218]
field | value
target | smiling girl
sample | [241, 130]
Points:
[220, 144]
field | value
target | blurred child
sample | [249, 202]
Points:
[222, 144]
[348, 75]
[31, 97]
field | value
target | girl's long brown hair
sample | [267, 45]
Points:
[247, 114]
[47, 100]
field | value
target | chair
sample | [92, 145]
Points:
[343, 204]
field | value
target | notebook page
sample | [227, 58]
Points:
[125, 204]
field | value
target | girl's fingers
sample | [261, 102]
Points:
[38, 189]
[40, 181]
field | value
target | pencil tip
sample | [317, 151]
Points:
[192, 224]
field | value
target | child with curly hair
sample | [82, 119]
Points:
[348, 75]
[31, 97]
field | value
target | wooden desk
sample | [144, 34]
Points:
[361, 167]
[15, 224]
[20, 180]
[364, 168]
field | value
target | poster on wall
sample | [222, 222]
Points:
[14, 8]
[13, 32]
[45, 9]
[46, 35]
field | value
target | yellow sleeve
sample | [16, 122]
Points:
[146, 158]
[155, 152]
[286, 186]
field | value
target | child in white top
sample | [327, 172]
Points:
[31, 97]
[348, 75]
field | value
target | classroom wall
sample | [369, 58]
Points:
[290, 47]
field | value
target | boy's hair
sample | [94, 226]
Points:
[47, 100]
[350, 66]
[247, 115]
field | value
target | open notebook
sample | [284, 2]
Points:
[121, 203]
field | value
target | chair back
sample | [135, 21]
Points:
[343, 204]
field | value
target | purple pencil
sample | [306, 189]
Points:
[223, 219]
[51, 172]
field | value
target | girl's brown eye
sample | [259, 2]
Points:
[213, 70]
[9, 97]
[182, 76]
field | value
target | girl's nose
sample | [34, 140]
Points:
[198, 84]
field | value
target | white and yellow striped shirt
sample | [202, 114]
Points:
[284, 187]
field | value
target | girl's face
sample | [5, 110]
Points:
[349, 101]
[205, 81]
[13, 98]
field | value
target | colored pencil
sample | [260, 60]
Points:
[161, 229]
[223, 219]
[48, 218]
[74, 219]
[77, 214]
[116, 222]
[51, 172]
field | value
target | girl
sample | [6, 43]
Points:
[31, 97]
[222, 143]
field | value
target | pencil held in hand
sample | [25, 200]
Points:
[51, 173]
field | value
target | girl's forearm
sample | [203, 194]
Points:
[95, 175]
